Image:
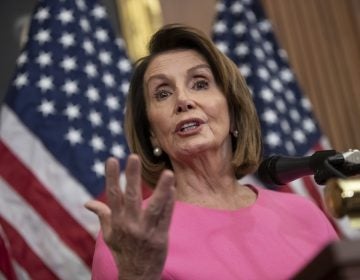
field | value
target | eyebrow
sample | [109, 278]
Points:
[163, 76]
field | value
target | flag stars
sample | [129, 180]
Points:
[44, 59]
[99, 168]
[251, 16]
[239, 28]
[220, 27]
[309, 125]
[74, 136]
[273, 139]
[305, 103]
[108, 79]
[95, 118]
[289, 146]
[67, 39]
[245, 70]
[105, 57]
[101, 35]
[285, 126]
[299, 136]
[21, 80]
[276, 85]
[68, 63]
[85, 25]
[81, 5]
[65, 16]
[236, 8]
[70, 87]
[280, 105]
[124, 88]
[22, 59]
[294, 114]
[272, 65]
[255, 34]
[124, 65]
[223, 47]
[241, 49]
[114, 127]
[90, 70]
[270, 116]
[42, 14]
[118, 151]
[72, 112]
[290, 96]
[265, 26]
[259, 53]
[88, 46]
[99, 12]
[92, 94]
[42, 36]
[97, 143]
[46, 107]
[286, 75]
[112, 103]
[267, 95]
[45, 83]
[263, 73]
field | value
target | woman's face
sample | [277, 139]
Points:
[188, 113]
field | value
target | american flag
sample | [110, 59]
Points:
[242, 31]
[61, 119]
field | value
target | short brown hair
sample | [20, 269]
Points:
[247, 146]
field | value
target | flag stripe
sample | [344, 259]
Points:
[30, 261]
[45, 204]
[65, 264]
[6, 266]
[49, 172]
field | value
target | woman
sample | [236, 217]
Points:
[192, 123]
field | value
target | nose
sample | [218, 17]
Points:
[184, 105]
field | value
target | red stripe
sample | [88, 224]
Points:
[26, 184]
[24, 255]
[6, 267]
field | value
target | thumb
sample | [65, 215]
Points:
[104, 214]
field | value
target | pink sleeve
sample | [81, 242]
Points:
[103, 266]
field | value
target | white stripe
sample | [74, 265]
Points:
[47, 169]
[41, 238]
[21, 273]
[2, 277]
[298, 187]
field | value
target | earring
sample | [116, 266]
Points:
[235, 133]
[157, 151]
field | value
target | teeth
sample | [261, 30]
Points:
[189, 126]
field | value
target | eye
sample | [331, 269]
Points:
[201, 84]
[161, 94]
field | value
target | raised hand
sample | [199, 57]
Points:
[137, 236]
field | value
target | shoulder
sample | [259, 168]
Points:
[296, 209]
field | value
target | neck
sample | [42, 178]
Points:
[205, 181]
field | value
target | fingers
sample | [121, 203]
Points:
[132, 197]
[113, 191]
[159, 210]
[104, 214]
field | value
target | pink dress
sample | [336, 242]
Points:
[272, 239]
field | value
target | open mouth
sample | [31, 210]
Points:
[188, 125]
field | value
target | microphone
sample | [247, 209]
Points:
[279, 170]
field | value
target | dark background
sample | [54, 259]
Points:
[12, 14]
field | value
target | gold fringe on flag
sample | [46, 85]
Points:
[139, 19]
